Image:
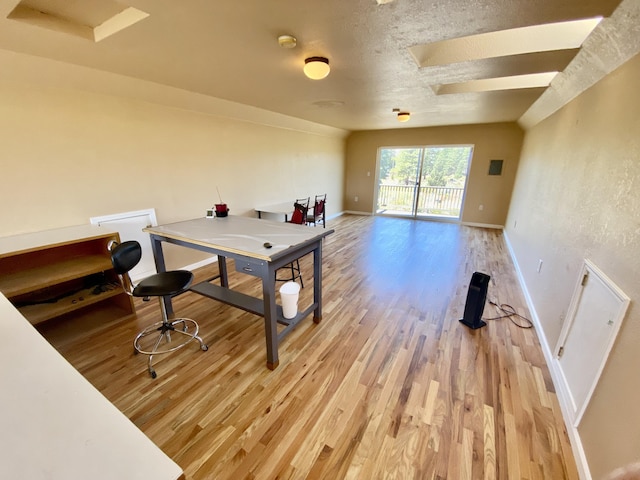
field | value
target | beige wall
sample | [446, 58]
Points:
[577, 196]
[70, 154]
[491, 141]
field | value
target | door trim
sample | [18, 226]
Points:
[414, 215]
[125, 220]
[589, 268]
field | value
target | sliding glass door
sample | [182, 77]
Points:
[422, 181]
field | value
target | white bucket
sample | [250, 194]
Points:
[289, 293]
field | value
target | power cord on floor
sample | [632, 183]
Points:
[509, 312]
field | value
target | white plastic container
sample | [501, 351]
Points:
[289, 293]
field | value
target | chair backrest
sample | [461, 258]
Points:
[318, 215]
[125, 256]
[300, 209]
[318, 207]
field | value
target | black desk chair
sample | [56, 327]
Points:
[299, 217]
[124, 257]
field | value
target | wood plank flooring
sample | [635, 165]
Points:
[389, 385]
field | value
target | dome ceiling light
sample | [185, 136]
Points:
[402, 116]
[316, 68]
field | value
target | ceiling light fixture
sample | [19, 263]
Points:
[316, 68]
[287, 41]
[403, 116]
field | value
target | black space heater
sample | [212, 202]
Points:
[476, 298]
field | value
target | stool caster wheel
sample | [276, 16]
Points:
[204, 348]
[152, 372]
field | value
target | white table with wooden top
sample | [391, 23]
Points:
[284, 208]
[259, 248]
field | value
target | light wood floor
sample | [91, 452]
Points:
[388, 385]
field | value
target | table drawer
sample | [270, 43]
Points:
[250, 268]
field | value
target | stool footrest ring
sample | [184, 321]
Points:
[183, 326]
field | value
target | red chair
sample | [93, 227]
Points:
[318, 214]
[299, 217]
[300, 211]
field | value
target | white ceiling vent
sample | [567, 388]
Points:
[91, 19]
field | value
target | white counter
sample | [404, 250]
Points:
[26, 242]
[55, 425]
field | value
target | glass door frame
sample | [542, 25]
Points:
[418, 182]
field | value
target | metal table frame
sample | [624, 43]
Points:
[265, 268]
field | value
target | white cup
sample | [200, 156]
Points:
[289, 293]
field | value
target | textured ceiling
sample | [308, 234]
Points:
[228, 49]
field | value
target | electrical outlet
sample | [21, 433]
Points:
[481, 207]
[355, 199]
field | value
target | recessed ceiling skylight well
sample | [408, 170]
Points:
[533, 80]
[536, 38]
[91, 19]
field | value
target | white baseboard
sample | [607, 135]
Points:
[354, 212]
[482, 225]
[561, 393]
[202, 263]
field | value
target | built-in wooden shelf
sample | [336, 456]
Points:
[53, 273]
[42, 276]
[45, 311]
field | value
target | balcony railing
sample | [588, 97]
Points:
[440, 201]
